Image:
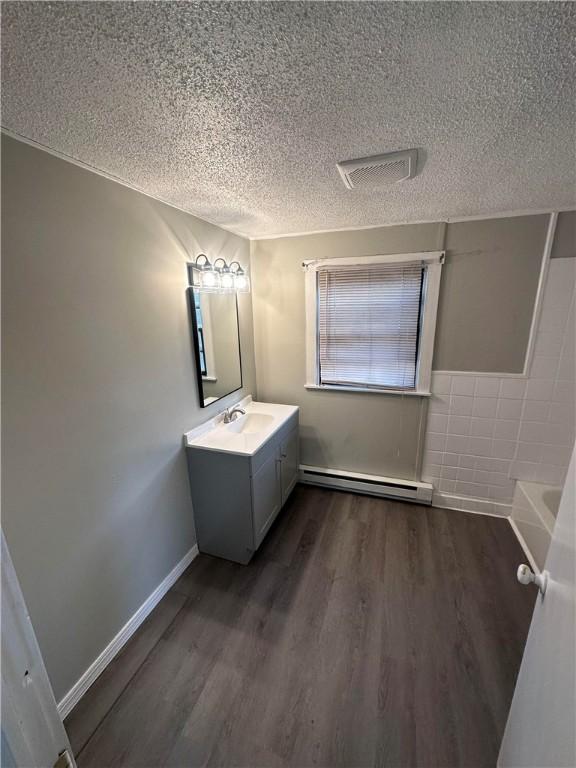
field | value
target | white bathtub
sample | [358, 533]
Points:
[534, 511]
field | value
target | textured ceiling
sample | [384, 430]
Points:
[238, 112]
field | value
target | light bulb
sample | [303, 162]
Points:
[227, 281]
[210, 280]
[240, 282]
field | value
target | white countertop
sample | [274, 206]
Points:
[246, 434]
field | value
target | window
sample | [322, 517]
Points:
[371, 321]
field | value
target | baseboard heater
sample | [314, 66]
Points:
[373, 485]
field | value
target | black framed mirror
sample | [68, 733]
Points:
[216, 343]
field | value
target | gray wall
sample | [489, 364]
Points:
[487, 296]
[370, 433]
[98, 386]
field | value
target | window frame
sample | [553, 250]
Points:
[432, 261]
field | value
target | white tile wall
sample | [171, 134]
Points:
[484, 432]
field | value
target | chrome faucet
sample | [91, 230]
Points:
[229, 414]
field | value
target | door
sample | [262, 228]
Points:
[32, 732]
[540, 730]
[289, 463]
[266, 495]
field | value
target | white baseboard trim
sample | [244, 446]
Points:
[69, 701]
[470, 504]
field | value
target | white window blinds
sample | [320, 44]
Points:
[368, 325]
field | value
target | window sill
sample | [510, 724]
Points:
[334, 388]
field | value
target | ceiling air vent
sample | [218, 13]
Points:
[378, 170]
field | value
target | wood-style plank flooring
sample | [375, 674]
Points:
[365, 632]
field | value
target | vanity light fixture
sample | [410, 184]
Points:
[218, 277]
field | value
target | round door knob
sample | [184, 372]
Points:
[526, 575]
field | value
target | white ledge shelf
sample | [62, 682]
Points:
[334, 388]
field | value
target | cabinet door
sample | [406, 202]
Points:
[289, 463]
[266, 495]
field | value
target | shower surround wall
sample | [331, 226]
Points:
[484, 432]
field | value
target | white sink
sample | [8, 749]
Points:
[246, 434]
[250, 423]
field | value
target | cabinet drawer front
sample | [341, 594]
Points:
[286, 430]
[266, 496]
[273, 444]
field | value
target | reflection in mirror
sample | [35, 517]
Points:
[217, 344]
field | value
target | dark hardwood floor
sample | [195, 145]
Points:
[365, 632]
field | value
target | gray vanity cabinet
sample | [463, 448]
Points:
[236, 498]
